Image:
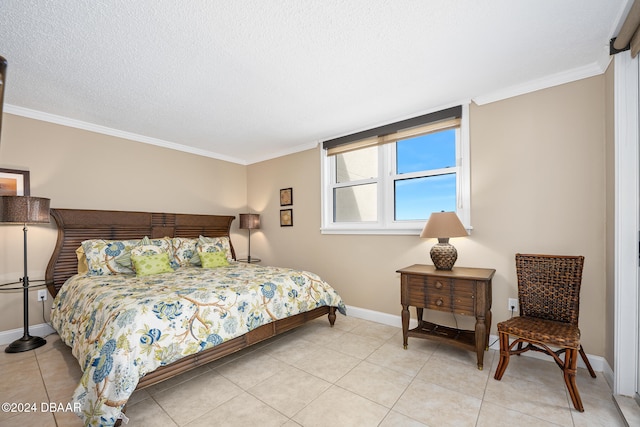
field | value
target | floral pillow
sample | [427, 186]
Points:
[160, 245]
[184, 249]
[142, 250]
[212, 244]
[102, 256]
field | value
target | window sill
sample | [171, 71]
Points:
[379, 231]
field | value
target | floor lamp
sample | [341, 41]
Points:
[24, 210]
[250, 222]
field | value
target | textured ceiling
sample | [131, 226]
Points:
[245, 81]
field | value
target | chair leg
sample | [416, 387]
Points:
[570, 368]
[519, 347]
[504, 356]
[586, 362]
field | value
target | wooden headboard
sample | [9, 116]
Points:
[77, 225]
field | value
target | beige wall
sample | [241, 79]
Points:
[81, 169]
[537, 186]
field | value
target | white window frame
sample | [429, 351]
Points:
[386, 223]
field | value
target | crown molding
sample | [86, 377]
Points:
[286, 152]
[593, 69]
[78, 124]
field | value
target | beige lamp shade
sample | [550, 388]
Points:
[249, 221]
[24, 209]
[443, 225]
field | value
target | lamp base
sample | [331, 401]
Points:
[26, 343]
[443, 255]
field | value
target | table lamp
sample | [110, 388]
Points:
[249, 221]
[443, 225]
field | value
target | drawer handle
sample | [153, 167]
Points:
[438, 285]
[439, 302]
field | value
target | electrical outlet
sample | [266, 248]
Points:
[513, 305]
[42, 295]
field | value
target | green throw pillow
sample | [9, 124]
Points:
[213, 259]
[146, 265]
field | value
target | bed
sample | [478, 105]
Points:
[132, 322]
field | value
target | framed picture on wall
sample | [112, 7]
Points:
[286, 197]
[14, 182]
[286, 218]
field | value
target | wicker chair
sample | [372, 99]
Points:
[549, 297]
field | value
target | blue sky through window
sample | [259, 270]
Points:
[417, 198]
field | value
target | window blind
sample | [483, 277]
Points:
[410, 128]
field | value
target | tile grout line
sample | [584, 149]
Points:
[44, 383]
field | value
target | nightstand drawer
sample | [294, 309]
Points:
[438, 301]
[429, 284]
[437, 293]
[439, 285]
[433, 293]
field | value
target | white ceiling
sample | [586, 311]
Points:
[249, 80]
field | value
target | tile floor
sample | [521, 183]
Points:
[355, 374]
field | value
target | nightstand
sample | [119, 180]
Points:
[465, 291]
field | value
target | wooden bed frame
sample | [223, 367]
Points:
[77, 225]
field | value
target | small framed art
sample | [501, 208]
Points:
[286, 217]
[14, 182]
[286, 197]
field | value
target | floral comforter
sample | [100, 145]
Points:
[121, 327]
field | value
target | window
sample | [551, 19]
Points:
[388, 180]
[355, 193]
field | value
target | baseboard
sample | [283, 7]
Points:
[378, 317]
[41, 330]
[599, 364]
[608, 374]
